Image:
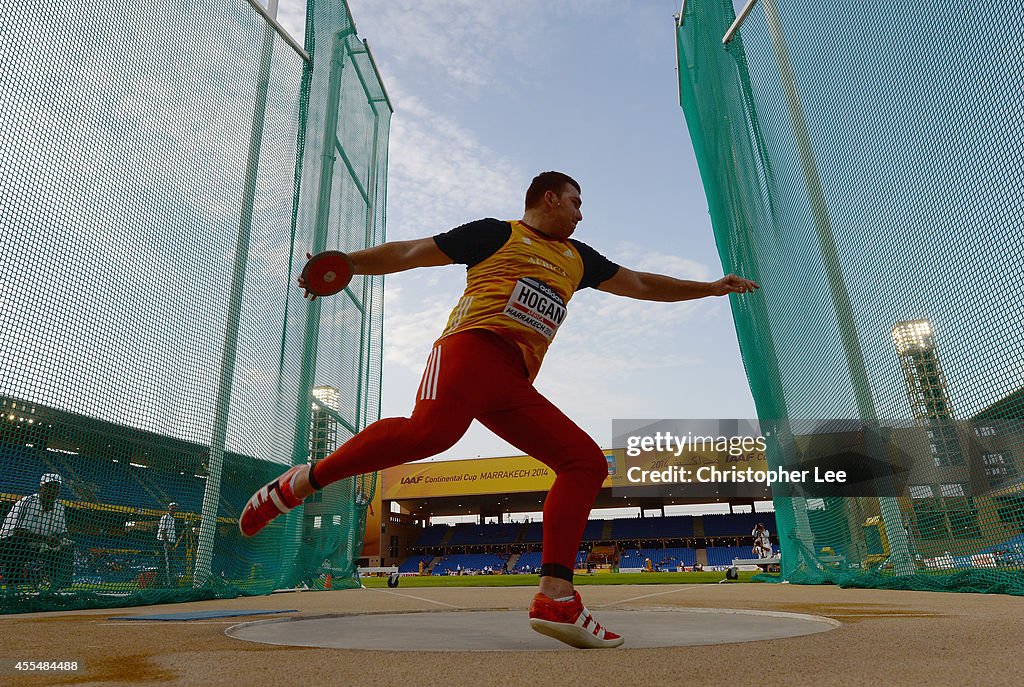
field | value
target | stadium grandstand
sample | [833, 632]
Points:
[116, 484]
[515, 547]
[499, 492]
[116, 490]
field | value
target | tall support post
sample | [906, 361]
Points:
[229, 355]
[307, 373]
[794, 544]
[371, 192]
[889, 506]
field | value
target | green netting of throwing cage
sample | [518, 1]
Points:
[863, 162]
[164, 170]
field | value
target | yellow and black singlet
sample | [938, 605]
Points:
[518, 282]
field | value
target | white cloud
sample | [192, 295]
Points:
[458, 42]
[467, 46]
[291, 14]
[643, 259]
[414, 318]
[441, 175]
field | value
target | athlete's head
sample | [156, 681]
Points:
[553, 204]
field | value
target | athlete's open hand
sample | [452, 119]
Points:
[730, 283]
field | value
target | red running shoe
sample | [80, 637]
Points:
[570, 622]
[272, 500]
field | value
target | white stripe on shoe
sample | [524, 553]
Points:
[584, 633]
[587, 619]
[574, 635]
[279, 502]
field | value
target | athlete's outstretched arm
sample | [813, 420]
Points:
[398, 256]
[391, 257]
[646, 286]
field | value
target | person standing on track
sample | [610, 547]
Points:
[167, 537]
[520, 276]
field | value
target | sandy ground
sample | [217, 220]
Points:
[885, 637]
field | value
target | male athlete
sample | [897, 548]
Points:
[520, 276]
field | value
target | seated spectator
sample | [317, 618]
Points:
[35, 532]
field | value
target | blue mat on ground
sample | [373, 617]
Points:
[198, 615]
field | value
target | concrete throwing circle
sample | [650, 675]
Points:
[510, 631]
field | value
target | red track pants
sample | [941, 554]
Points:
[478, 375]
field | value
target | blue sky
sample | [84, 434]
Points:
[486, 95]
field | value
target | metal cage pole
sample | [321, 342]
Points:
[211, 491]
[840, 297]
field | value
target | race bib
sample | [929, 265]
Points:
[536, 305]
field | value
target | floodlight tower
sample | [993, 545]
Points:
[922, 371]
[926, 386]
[324, 437]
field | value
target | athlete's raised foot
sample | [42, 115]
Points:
[570, 622]
[273, 499]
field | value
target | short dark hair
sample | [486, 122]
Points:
[547, 181]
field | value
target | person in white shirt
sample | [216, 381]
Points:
[762, 541]
[35, 530]
[167, 536]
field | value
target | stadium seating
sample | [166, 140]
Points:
[20, 468]
[665, 559]
[92, 479]
[470, 561]
[631, 529]
[533, 559]
[594, 530]
[478, 535]
[736, 524]
[530, 558]
[432, 536]
[723, 555]
[673, 527]
[534, 532]
[638, 529]
[412, 564]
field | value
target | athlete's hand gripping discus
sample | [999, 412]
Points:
[326, 273]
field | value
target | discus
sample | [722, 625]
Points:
[327, 273]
